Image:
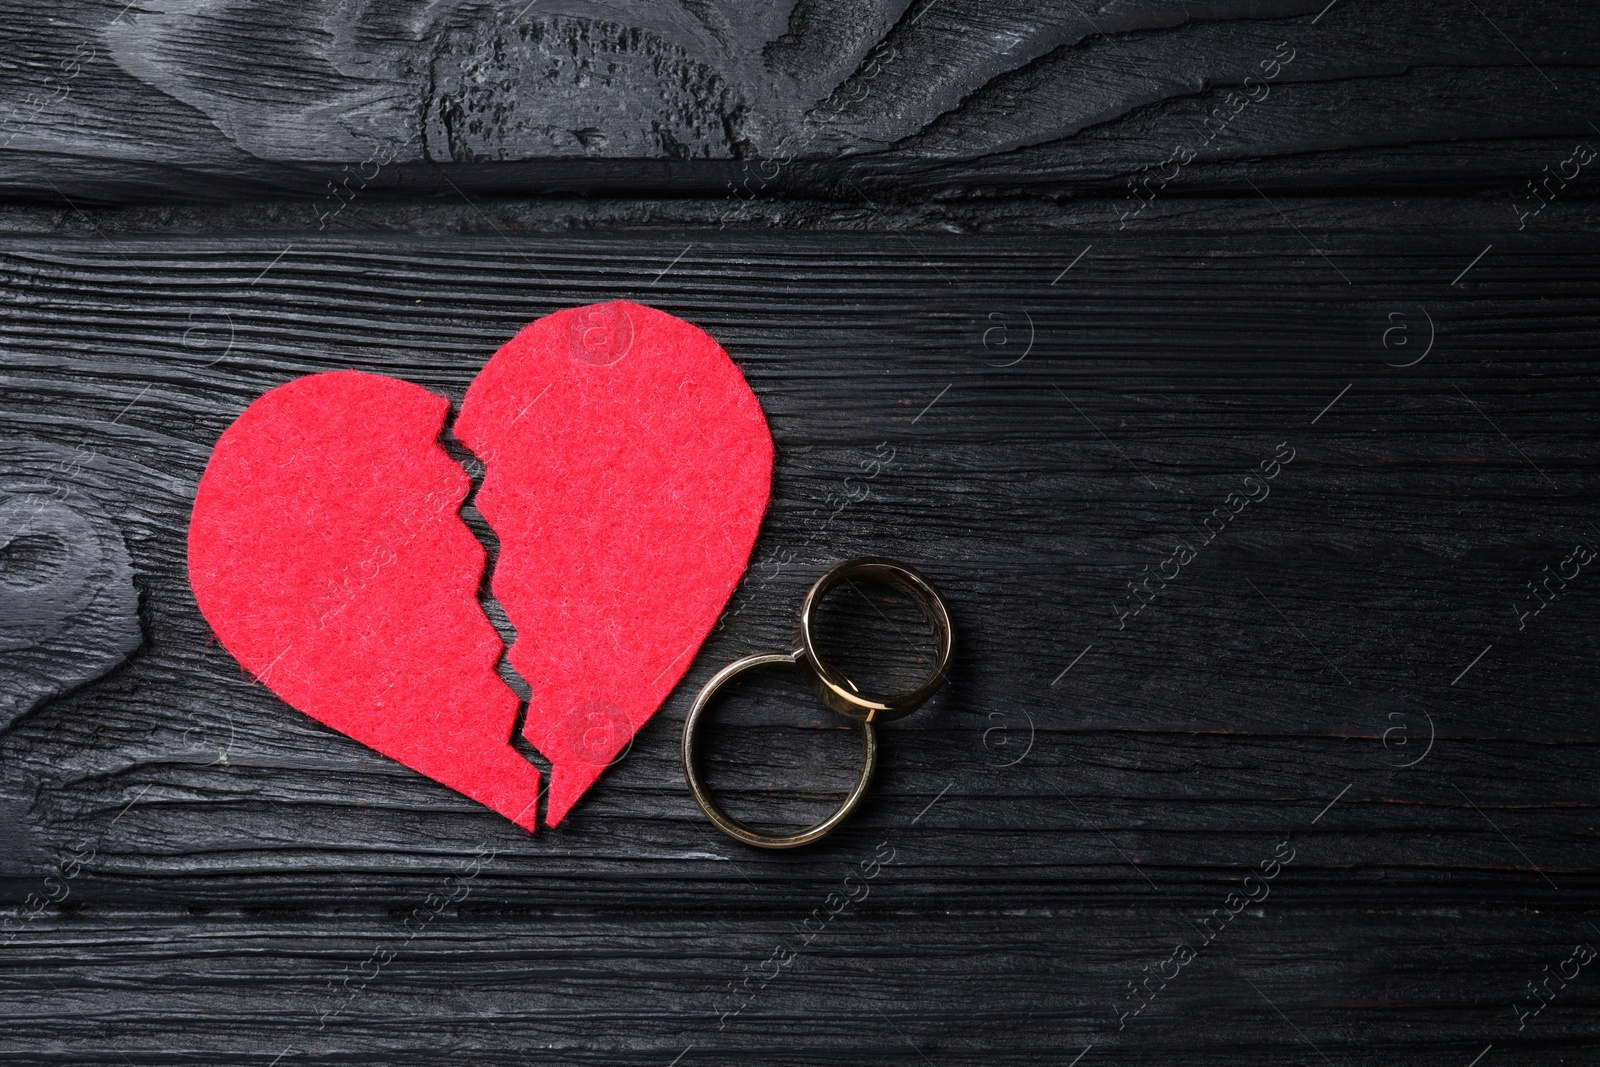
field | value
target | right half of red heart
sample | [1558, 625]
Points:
[628, 466]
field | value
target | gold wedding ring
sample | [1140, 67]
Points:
[839, 692]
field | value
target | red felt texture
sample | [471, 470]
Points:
[628, 466]
[327, 551]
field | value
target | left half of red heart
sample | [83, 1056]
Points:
[328, 553]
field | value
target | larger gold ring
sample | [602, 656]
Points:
[727, 823]
[830, 684]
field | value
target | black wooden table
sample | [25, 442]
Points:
[1230, 366]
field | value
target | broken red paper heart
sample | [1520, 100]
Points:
[627, 468]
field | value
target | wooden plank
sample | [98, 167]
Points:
[323, 100]
[1387, 556]
[1023, 988]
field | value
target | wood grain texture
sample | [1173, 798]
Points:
[69, 607]
[953, 238]
[222, 98]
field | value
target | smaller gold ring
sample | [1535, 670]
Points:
[727, 823]
[830, 684]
